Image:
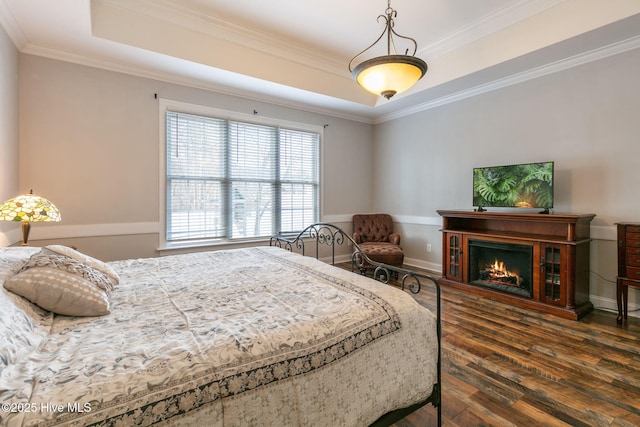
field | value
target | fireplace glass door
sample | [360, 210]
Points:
[454, 250]
[552, 272]
[505, 267]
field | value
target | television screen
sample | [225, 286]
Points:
[527, 185]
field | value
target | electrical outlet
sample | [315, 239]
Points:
[428, 247]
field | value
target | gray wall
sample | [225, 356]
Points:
[90, 141]
[8, 131]
[586, 119]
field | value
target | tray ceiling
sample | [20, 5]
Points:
[296, 53]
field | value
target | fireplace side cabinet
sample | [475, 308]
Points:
[559, 248]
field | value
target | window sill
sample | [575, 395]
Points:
[213, 245]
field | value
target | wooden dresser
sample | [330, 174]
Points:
[628, 264]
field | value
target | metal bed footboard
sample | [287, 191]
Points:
[323, 234]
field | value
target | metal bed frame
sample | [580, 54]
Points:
[324, 234]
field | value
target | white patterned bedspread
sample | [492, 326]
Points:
[247, 337]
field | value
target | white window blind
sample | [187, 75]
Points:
[228, 179]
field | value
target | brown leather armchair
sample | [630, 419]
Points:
[374, 234]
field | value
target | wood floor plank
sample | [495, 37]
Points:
[576, 366]
[541, 418]
[629, 420]
[566, 404]
[506, 412]
[511, 366]
[496, 389]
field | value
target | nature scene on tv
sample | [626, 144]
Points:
[526, 185]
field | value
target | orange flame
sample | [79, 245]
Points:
[498, 270]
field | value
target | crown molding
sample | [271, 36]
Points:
[10, 25]
[534, 73]
[514, 12]
[174, 13]
[172, 78]
[577, 60]
[500, 19]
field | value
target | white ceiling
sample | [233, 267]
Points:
[296, 53]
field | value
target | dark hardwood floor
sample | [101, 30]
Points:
[508, 366]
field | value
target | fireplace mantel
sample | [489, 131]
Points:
[560, 256]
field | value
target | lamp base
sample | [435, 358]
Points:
[26, 227]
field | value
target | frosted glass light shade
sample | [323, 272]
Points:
[389, 75]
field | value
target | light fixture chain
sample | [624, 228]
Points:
[390, 31]
[370, 46]
[393, 73]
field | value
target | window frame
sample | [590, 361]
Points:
[166, 105]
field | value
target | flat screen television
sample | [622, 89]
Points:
[527, 185]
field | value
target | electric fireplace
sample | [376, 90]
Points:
[530, 260]
[502, 266]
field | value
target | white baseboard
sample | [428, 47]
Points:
[426, 265]
[608, 304]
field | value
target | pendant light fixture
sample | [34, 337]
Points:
[392, 73]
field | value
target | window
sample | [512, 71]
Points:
[231, 179]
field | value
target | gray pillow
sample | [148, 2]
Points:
[65, 281]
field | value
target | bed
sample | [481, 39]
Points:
[261, 336]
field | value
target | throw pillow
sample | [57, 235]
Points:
[64, 284]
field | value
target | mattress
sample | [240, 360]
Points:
[245, 337]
